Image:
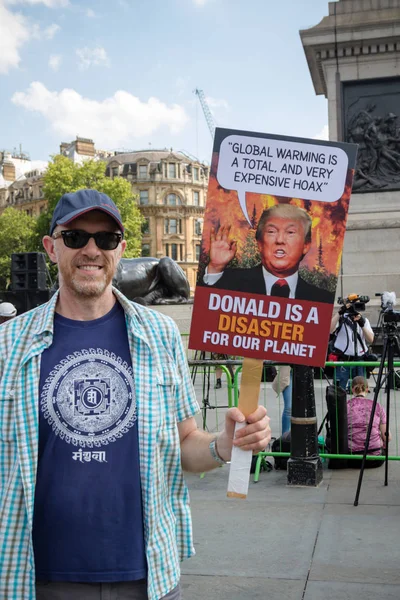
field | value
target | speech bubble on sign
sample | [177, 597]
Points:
[281, 168]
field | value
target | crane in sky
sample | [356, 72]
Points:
[206, 110]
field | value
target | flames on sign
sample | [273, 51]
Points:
[328, 222]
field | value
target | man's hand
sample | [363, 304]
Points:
[255, 436]
[360, 320]
[222, 249]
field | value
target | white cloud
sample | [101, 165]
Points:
[90, 13]
[111, 122]
[200, 2]
[50, 31]
[323, 134]
[217, 103]
[47, 33]
[48, 3]
[181, 85]
[54, 62]
[14, 32]
[92, 57]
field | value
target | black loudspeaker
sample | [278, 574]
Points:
[28, 261]
[25, 300]
[28, 271]
[28, 280]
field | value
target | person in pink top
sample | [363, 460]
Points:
[358, 415]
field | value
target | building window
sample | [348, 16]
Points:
[145, 249]
[197, 227]
[114, 172]
[172, 170]
[197, 251]
[144, 197]
[142, 171]
[196, 198]
[172, 251]
[172, 200]
[40, 192]
[173, 226]
[146, 226]
[195, 173]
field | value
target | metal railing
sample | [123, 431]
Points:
[205, 367]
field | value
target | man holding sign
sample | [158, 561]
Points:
[283, 239]
[97, 423]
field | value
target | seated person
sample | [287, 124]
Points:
[282, 383]
[358, 415]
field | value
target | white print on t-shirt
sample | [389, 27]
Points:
[88, 456]
[88, 398]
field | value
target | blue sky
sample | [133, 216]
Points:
[123, 72]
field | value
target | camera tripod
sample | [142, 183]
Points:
[391, 347]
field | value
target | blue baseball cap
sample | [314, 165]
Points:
[74, 204]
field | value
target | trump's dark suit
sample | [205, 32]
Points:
[252, 281]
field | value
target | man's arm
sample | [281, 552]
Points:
[195, 450]
[366, 328]
[334, 322]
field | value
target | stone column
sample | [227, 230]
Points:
[353, 56]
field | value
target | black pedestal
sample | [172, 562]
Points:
[304, 471]
[304, 465]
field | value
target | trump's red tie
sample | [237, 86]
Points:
[281, 289]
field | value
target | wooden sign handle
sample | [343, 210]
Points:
[239, 473]
[250, 385]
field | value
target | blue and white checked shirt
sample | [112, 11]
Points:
[165, 395]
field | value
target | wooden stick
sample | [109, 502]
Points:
[250, 385]
[239, 473]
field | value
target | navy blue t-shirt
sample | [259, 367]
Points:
[88, 523]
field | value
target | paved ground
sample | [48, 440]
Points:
[293, 543]
[285, 543]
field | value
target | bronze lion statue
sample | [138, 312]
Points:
[150, 280]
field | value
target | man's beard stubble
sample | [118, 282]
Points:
[87, 287]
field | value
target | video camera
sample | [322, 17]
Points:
[388, 302]
[356, 302]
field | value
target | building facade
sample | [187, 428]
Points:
[171, 190]
[353, 58]
[21, 183]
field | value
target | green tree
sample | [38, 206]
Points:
[250, 255]
[17, 233]
[62, 176]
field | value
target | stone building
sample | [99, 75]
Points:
[82, 149]
[353, 58]
[171, 188]
[21, 183]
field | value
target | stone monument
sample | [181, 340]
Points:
[354, 59]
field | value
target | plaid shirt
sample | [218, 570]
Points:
[165, 395]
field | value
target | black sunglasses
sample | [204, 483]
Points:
[77, 238]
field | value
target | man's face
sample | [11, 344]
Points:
[87, 271]
[282, 245]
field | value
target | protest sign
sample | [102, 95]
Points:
[271, 248]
